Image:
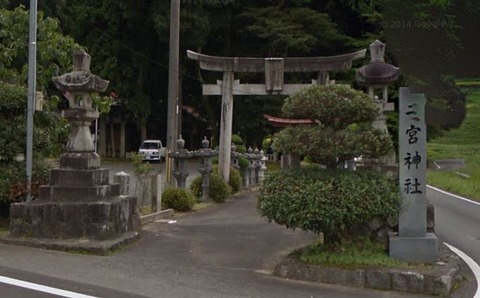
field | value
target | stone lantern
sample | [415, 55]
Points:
[77, 87]
[252, 165]
[180, 156]
[205, 154]
[235, 157]
[377, 75]
[79, 204]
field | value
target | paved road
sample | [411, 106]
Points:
[457, 222]
[224, 251]
[30, 285]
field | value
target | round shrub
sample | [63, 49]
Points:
[243, 163]
[237, 140]
[178, 199]
[241, 148]
[218, 190]
[196, 186]
[331, 202]
[235, 180]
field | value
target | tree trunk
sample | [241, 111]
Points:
[143, 131]
[180, 99]
[112, 140]
[122, 139]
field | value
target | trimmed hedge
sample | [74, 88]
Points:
[330, 202]
[178, 199]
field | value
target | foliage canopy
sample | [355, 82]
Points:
[54, 52]
[343, 128]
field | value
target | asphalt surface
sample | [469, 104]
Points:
[449, 164]
[225, 250]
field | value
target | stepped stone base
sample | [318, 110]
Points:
[414, 249]
[79, 210]
[97, 247]
[99, 220]
[80, 160]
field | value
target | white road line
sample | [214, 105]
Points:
[455, 196]
[471, 263]
[41, 288]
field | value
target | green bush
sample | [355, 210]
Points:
[13, 187]
[218, 190]
[243, 163]
[178, 199]
[241, 149]
[235, 180]
[343, 130]
[196, 186]
[237, 140]
[12, 180]
[331, 202]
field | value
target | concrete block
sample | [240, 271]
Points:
[414, 249]
[408, 281]
[378, 279]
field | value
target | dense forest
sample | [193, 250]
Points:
[432, 41]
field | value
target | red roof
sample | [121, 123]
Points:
[284, 122]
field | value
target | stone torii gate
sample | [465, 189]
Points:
[274, 69]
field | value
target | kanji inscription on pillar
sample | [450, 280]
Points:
[412, 163]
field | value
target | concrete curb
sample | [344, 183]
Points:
[96, 247]
[156, 216]
[438, 279]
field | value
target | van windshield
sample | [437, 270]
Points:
[150, 145]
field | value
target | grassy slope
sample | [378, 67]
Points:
[464, 143]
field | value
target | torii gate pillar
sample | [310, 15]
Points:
[226, 122]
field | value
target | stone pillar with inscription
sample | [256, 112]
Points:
[413, 243]
[79, 204]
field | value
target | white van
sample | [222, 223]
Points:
[152, 150]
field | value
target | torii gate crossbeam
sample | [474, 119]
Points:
[274, 69]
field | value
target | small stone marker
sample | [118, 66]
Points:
[123, 180]
[413, 243]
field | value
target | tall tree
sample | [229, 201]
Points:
[54, 57]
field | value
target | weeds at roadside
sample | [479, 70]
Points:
[353, 254]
